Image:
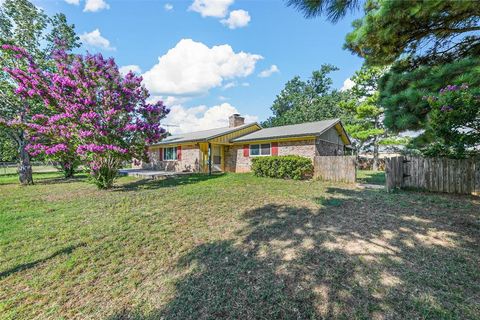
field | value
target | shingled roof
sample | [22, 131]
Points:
[204, 135]
[296, 130]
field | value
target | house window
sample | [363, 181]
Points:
[260, 149]
[170, 154]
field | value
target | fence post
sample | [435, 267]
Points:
[393, 173]
[476, 178]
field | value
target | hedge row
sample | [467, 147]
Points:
[285, 167]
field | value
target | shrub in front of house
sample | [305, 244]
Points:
[284, 167]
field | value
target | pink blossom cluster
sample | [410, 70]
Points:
[98, 148]
[56, 149]
[35, 149]
[57, 117]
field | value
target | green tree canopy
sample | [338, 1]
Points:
[427, 44]
[23, 24]
[425, 31]
[402, 90]
[366, 126]
[305, 101]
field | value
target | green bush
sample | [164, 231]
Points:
[285, 167]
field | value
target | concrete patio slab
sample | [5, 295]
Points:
[151, 174]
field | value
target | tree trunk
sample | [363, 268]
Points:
[375, 147]
[24, 167]
[68, 169]
[375, 154]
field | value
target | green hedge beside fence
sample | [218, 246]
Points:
[285, 167]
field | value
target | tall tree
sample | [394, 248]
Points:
[22, 23]
[429, 45]
[305, 101]
[367, 127]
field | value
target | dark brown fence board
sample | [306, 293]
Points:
[434, 174]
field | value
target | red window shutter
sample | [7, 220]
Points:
[246, 151]
[160, 154]
[179, 153]
[274, 148]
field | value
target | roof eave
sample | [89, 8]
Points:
[176, 142]
[233, 130]
[278, 137]
[208, 138]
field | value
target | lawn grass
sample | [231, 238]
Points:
[371, 177]
[235, 246]
[35, 169]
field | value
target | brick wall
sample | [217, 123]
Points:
[190, 161]
[304, 148]
[236, 162]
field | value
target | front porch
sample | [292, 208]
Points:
[212, 157]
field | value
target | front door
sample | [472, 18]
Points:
[217, 157]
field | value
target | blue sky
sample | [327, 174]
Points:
[212, 51]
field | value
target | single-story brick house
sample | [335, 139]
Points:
[231, 149]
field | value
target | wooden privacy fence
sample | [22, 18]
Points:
[335, 168]
[434, 174]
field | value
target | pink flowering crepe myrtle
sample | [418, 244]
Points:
[93, 113]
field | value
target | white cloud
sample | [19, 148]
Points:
[169, 101]
[237, 19]
[192, 68]
[95, 5]
[347, 85]
[211, 8]
[268, 72]
[131, 67]
[223, 98]
[168, 6]
[95, 39]
[229, 85]
[74, 2]
[233, 84]
[201, 117]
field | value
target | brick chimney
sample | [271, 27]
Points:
[235, 120]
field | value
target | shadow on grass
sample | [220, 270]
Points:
[148, 184]
[367, 257]
[21, 267]
[61, 179]
[43, 178]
